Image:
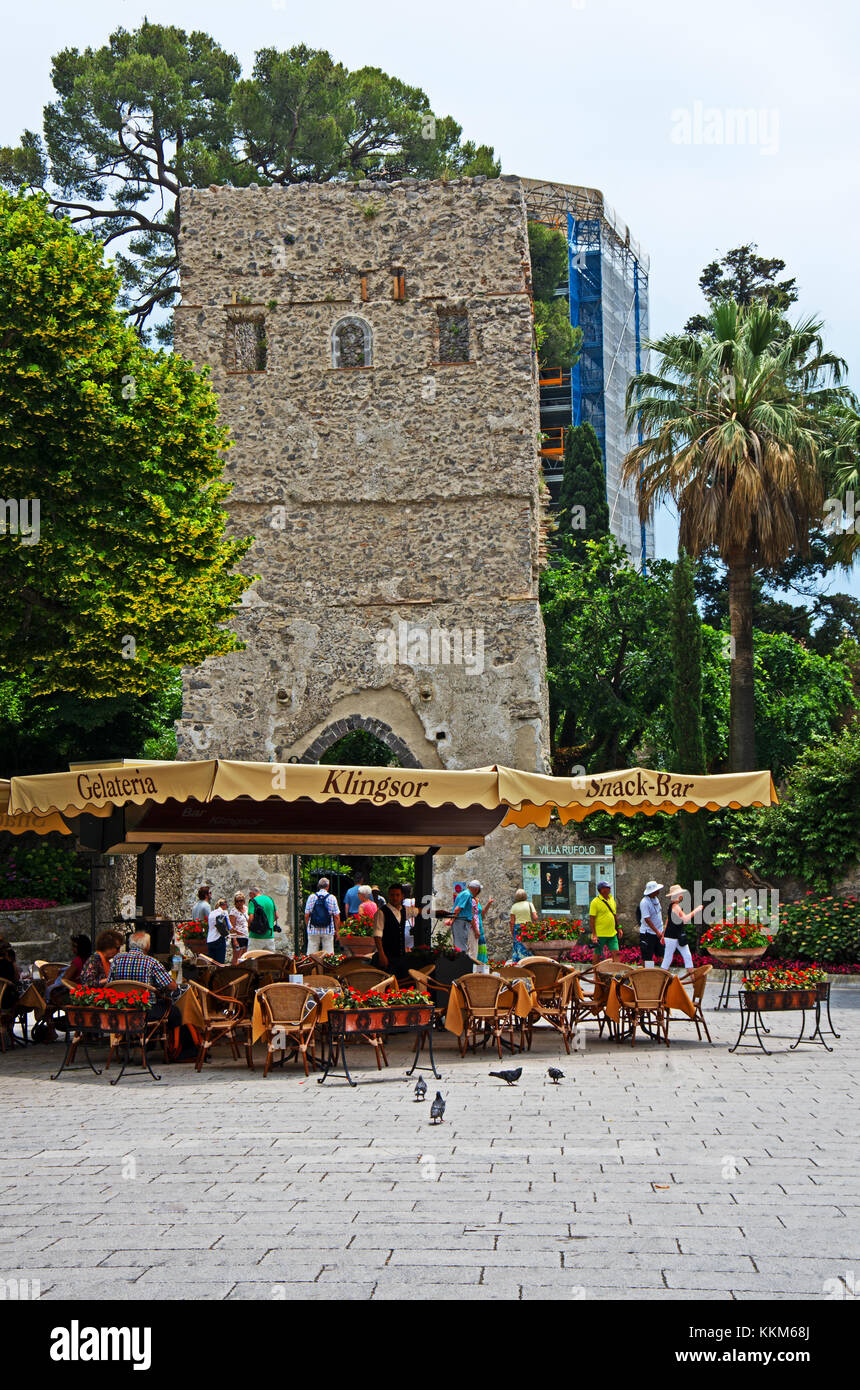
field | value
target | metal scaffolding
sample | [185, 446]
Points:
[608, 298]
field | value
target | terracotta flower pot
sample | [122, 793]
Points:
[552, 948]
[739, 958]
[359, 945]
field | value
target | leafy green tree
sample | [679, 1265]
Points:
[814, 834]
[132, 122]
[122, 571]
[605, 629]
[549, 259]
[558, 341]
[48, 732]
[748, 279]
[686, 686]
[583, 512]
[158, 109]
[732, 426]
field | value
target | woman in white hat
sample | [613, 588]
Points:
[675, 933]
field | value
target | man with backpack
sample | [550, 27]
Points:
[262, 922]
[322, 918]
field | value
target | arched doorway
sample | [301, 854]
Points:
[356, 742]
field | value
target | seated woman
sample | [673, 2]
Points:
[82, 947]
[96, 967]
[8, 966]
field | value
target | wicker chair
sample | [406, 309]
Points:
[325, 982]
[233, 982]
[556, 1010]
[350, 965]
[641, 996]
[271, 968]
[367, 978]
[698, 978]
[439, 993]
[588, 1005]
[615, 967]
[545, 973]
[483, 1015]
[224, 1020]
[289, 1012]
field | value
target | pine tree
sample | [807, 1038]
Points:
[694, 853]
[583, 513]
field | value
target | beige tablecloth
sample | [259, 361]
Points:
[517, 993]
[319, 1012]
[676, 998]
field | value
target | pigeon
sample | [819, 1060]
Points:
[555, 1075]
[510, 1076]
[437, 1108]
[420, 1088]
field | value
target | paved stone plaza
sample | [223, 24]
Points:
[690, 1174]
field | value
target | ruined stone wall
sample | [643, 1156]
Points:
[401, 492]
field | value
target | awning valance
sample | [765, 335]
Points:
[248, 807]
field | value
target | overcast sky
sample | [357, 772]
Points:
[635, 99]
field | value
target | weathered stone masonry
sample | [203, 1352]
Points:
[406, 490]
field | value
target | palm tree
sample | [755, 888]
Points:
[843, 457]
[732, 424]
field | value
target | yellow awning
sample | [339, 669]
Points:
[28, 820]
[95, 789]
[416, 804]
[381, 786]
[533, 797]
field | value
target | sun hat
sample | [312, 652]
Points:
[676, 891]
[652, 886]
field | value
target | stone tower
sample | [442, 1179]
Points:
[371, 347]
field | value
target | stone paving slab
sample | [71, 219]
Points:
[690, 1174]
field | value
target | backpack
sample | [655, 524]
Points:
[639, 914]
[222, 924]
[259, 923]
[320, 915]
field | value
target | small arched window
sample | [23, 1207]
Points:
[352, 343]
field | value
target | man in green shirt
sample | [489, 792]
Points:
[603, 920]
[257, 940]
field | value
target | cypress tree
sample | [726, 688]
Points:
[583, 513]
[694, 852]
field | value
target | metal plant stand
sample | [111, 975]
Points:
[340, 1034]
[750, 1011]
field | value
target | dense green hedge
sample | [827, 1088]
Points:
[821, 929]
[47, 871]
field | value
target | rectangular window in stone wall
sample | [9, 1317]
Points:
[246, 344]
[454, 336]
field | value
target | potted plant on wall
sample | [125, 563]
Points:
[551, 935]
[356, 935]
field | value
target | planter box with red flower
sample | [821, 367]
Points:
[551, 936]
[372, 1012]
[767, 990]
[356, 935]
[105, 1010]
[191, 934]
